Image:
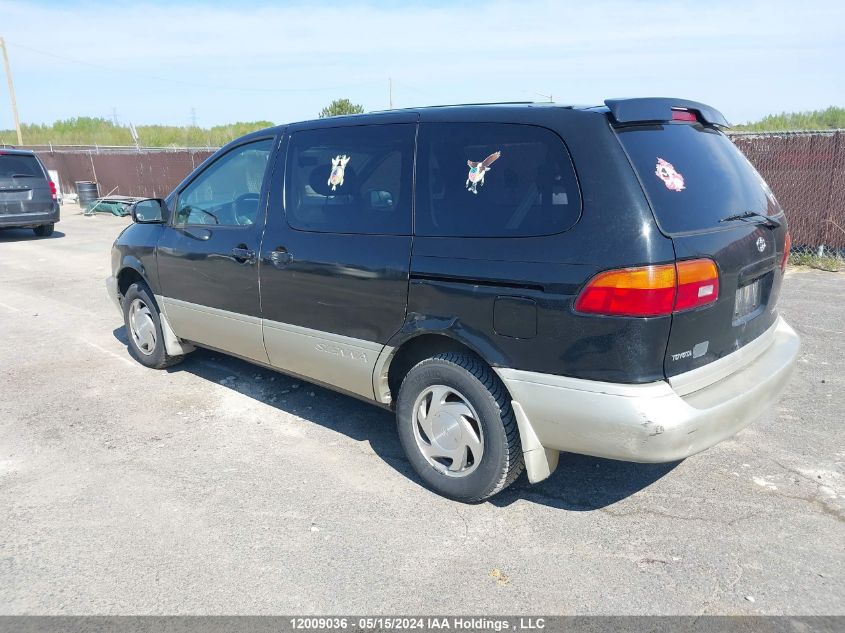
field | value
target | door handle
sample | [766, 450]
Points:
[281, 257]
[243, 255]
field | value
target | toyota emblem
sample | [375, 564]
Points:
[761, 244]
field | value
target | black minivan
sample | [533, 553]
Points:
[514, 280]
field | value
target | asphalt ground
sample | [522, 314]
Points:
[217, 487]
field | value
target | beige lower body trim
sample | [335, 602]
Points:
[341, 361]
[236, 333]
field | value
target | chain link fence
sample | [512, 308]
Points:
[806, 171]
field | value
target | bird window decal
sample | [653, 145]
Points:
[337, 173]
[478, 170]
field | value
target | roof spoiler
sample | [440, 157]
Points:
[660, 109]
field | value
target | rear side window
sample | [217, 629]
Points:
[694, 176]
[494, 180]
[20, 166]
[351, 179]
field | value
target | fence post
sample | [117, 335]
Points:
[829, 220]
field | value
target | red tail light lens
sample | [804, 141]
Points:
[679, 114]
[698, 284]
[787, 246]
[645, 291]
[53, 189]
[651, 290]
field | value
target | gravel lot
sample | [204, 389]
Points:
[218, 487]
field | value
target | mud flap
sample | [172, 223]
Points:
[540, 462]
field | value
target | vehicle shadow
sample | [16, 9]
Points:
[580, 483]
[25, 235]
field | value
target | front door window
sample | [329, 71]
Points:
[227, 193]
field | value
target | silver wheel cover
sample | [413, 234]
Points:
[142, 327]
[448, 431]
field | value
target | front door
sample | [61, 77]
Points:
[208, 255]
[335, 257]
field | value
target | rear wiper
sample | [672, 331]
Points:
[747, 215]
[22, 176]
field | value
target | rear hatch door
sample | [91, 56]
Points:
[711, 201]
[24, 187]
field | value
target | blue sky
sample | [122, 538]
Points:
[155, 62]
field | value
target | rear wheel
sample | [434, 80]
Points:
[45, 230]
[143, 328]
[457, 427]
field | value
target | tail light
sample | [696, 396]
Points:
[651, 290]
[698, 284]
[53, 191]
[787, 246]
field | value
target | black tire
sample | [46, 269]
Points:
[501, 462]
[157, 357]
[45, 230]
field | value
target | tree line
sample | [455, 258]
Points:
[102, 131]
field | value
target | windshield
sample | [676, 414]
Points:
[695, 176]
[19, 166]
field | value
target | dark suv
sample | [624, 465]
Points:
[514, 280]
[27, 195]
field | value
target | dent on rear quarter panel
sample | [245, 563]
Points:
[460, 279]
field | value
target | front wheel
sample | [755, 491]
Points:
[45, 230]
[143, 328]
[457, 427]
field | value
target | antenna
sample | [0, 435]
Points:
[390, 91]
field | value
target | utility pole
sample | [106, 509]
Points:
[193, 117]
[11, 91]
[390, 91]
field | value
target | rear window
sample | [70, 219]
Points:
[19, 165]
[493, 180]
[694, 176]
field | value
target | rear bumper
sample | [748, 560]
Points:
[10, 220]
[655, 422]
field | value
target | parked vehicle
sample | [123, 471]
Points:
[513, 280]
[27, 195]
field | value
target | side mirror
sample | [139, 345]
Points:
[149, 211]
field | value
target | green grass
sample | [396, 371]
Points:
[820, 262]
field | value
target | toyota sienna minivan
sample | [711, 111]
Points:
[513, 280]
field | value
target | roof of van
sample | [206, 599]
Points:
[6, 149]
[623, 110]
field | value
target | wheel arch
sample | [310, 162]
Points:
[132, 270]
[409, 348]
